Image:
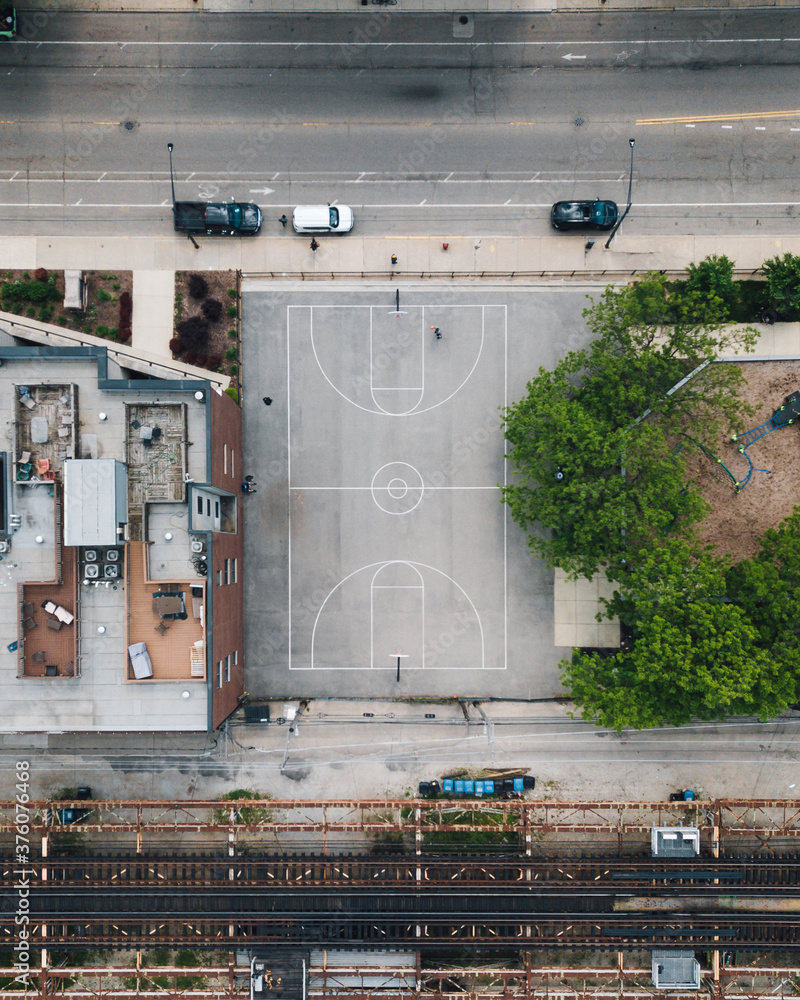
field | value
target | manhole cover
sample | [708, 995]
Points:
[578, 121]
[130, 126]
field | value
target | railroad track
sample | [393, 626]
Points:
[746, 875]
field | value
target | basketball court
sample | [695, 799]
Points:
[377, 544]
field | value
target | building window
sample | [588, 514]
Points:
[227, 571]
[235, 570]
[208, 507]
[219, 675]
[233, 470]
[235, 657]
[225, 458]
[219, 577]
[199, 505]
[227, 669]
[216, 508]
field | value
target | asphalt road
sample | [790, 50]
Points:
[535, 108]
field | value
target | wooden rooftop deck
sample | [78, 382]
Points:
[59, 648]
[170, 653]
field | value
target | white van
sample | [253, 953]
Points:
[322, 219]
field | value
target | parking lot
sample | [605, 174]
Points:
[377, 545]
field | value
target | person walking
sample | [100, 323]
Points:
[267, 400]
[314, 244]
[283, 220]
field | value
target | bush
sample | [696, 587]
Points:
[232, 311]
[231, 354]
[215, 361]
[198, 286]
[232, 293]
[212, 310]
[30, 312]
[201, 361]
[783, 283]
[193, 332]
[28, 291]
[116, 286]
[233, 334]
[124, 334]
[125, 309]
[62, 320]
[233, 393]
[232, 369]
[714, 277]
[108, 277]
[102, 331]
[46, 314]
[103, 295]
[176, 345]
[190, 357]
[40, 274]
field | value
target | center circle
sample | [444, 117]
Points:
[397, 489]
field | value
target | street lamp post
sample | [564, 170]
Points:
[613, 232]
[189, 236]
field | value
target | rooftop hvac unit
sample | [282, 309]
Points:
[4, 545]
[91, 572]
[90, 555]
[111, 572]
[112, 555]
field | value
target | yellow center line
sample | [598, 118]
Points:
[743, 116]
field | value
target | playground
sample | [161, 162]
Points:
[738, 519]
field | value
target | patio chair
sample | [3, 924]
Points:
[54, 624]
[161, 628]
[37, 657]
[24, 457]
[28, 624]
[51, 670]
[27, 609]
[42, 466]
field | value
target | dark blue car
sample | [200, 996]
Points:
[584, 214]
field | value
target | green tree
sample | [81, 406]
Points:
[767, 588]
[589, 470]
[689, 653]
[783, 282]
[713, 276]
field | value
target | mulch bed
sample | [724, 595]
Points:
[737, 520]
[215, 342]
[102, 317]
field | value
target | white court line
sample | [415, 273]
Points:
[372, 589]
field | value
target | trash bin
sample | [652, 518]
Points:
[447, 785]
[488, 787]
[529, 782]
[469, 787]
[424, 789]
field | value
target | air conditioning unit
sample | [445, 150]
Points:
[112, 555]
[90, 555]
[111, 571]
[198, 546]
[91, 572]
[3, 545]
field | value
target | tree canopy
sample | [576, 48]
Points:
[690, 649]
[593, 479]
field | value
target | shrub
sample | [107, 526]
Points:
[30, 312]
[26, 276]
[232, 369]
[176, 345]
[46, 314]
[40, 274]
[201, 361]
[233, 334]
[123, 334]
[231, 293]
[215, 361]
[198, 286]
[233, 393]
[783, 282]
[190, 357]
[116, 286]
[212, 310]
[108, 277]
[103, 295]
[113, 331]
[102, 331]
[232, 311]
[193, 332]
[125, 309]
[31, 291]
[231, 354]
[713, 277]
[62, 320]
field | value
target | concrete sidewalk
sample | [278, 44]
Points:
[287, 256]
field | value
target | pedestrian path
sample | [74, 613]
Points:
[400, 6]
[284, 255]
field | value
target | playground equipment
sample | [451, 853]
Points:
[782, 417]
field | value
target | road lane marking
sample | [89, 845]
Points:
[438, 206]
[399, 45]
[741, 116]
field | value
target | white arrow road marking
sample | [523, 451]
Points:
[262, 191]
[570, 57]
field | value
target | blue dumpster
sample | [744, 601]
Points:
[447, 785]
[459, 787]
